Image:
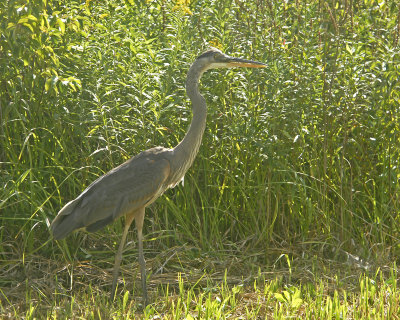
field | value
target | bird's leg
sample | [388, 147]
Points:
[118, 256]
[139, 225]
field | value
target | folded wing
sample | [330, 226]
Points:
[134, 184]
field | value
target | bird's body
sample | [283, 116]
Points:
[129, 188]
[134, 184]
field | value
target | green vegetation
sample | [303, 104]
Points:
[292, 205]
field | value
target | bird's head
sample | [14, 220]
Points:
[214, 58]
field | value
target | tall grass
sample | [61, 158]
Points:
[301, 158]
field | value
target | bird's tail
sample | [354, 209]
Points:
[65, 222]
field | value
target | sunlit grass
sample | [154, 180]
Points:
[213, 295]
[291, 207]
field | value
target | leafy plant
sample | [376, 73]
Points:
[298, 161]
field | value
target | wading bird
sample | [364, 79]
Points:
[129, 188]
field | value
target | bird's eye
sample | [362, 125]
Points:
[217, 55]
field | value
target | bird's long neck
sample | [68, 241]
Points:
[185, 152]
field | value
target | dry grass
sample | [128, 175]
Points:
[186, 282]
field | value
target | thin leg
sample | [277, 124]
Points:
[118, 256]
[139, 225]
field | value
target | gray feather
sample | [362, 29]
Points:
[135, 183]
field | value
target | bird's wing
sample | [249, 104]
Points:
[132, 185]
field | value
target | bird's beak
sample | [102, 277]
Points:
[236, 62]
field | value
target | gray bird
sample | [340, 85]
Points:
[129, 188]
